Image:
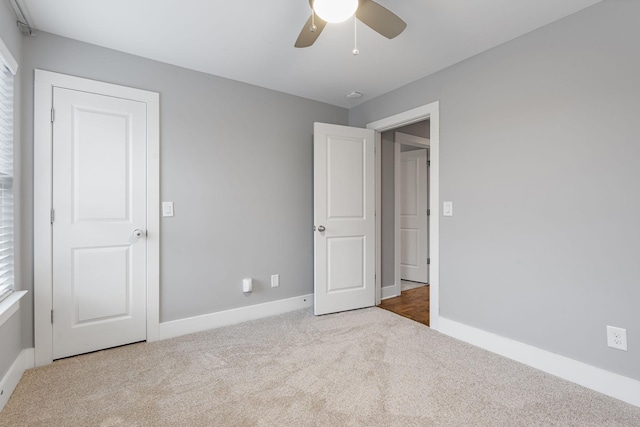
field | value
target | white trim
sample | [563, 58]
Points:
[397, 201]
[153, 219]
[390, 291]
[29, 358]
[9, 306]
[378, 237]
[412, 140]
[434, 218]
[7, 58]
[403, 119]
[42, 155]
[219, 319]
[12, 377]
[432, 112]
[605, 382]
[43, 93]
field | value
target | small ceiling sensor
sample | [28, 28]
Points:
[354, 95]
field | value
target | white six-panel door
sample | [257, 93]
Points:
[344, 218]
[99, 223]
[414, 230]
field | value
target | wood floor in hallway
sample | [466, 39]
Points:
[412, 304]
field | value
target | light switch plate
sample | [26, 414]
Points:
[447, 208]
[167, 208]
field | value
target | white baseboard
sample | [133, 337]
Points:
[205, 322]
[29, 358]
[10, 380]
[389, 291]
[605, 382]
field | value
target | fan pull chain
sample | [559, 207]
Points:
[355, 50]
[313, 21]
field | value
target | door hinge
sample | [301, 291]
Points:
[428, 212]
[52, 317]
[428, 163]
[53, 115]
[52, 216]
[428, 261]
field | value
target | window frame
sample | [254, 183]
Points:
[8, 63]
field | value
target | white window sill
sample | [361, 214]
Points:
[10, 305]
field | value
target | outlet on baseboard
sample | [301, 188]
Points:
[275, 280]
[617, 338]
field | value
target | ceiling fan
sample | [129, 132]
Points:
[377, 17]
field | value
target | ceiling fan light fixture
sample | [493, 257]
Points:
[335, 10]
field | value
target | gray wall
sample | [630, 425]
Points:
[10, 331]
[236, 160]
[387, 204]
[11, 343]
[539, 152]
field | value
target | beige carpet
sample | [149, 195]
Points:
[361, 368]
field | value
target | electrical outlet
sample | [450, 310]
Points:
[617, 338]
[275, 280]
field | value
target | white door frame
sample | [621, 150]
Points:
[42, 163]
[432, 112]
[413, 141]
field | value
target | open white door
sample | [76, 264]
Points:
[344, 218]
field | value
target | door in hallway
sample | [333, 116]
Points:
[414, 225]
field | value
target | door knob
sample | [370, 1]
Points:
[137, 233]
[321, 228]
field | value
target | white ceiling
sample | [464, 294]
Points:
[252, 40]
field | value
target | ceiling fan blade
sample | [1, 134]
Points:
[380, 19]
[308, 37]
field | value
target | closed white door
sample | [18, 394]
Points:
[98, 222]
[414, 229]
[344, 218]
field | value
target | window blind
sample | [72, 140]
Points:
[6, 182]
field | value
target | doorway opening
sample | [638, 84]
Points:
[405, 220]
[418, 124]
